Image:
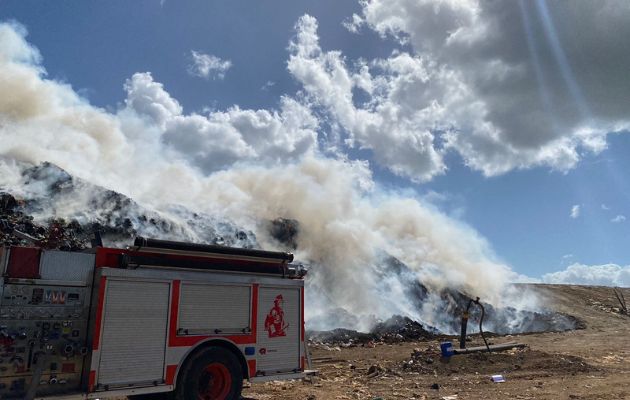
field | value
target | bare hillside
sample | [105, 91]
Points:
[589, 363]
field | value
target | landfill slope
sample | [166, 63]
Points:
[589, 363]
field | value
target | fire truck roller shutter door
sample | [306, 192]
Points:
[134, 332]
[214, 309]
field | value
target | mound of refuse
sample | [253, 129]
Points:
[395, 329]
[47, 191]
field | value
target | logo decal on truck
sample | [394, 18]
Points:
[274, 322]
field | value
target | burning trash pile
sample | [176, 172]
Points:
[18, 228]
[31, 216]
[394, 330]
[506, 320]
[32, 207]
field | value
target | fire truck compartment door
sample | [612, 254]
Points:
[279, 330]
[134, 333]
[198, 305]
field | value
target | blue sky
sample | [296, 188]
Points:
[521, 204]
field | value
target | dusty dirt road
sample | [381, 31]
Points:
[592, 363]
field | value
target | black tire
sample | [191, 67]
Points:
[213, 374]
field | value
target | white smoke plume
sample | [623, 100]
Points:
[247, 166]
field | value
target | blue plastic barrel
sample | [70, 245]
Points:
[447, 349]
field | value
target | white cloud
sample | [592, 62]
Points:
[575, 211]
[396, 123]
[47, 120]
[605, 207]
[147, 97]
[268, 85]
[513, 84]
[208, 66]
[222, 138]
[580, 274]
[618, 219]
[353, 24]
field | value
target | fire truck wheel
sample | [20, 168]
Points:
[214, 374]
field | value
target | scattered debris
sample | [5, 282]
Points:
[497, 378]
[374, 371]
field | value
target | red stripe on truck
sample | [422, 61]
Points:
[251, 365]
[171, 370]
[99, 313]
[254, 321]
[172, 329]
[187, 341]
[91, 381]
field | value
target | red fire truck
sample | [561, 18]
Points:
[188, 321]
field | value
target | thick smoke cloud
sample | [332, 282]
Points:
[511, 84]
[602, 275]
[247, 166]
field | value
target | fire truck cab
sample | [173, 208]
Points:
[186, 320]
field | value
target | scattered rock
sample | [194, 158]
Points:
[374, 368]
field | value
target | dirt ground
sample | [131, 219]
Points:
[592, 363]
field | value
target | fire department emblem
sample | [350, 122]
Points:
[274, 322]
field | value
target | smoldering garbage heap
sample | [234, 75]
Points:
[45, 188]
[394, 330]
[451, 306]
[33, 209]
